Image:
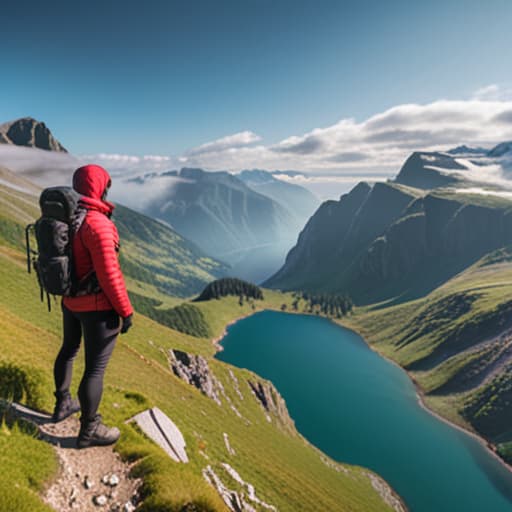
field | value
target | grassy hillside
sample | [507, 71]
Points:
[457, 345]
[152, 253]
[156, 260]
[395, 242]
[286, 471]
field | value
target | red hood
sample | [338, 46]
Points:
[91, 181]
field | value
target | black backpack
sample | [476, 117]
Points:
[61, 218]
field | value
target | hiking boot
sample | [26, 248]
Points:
[65, 406]
[95, 433]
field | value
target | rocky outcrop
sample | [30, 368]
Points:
[242, 500]
[423, 170]
[194, 370]
[386, 493]
[29, 132]
[272, 402]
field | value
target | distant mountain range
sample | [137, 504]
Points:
[156, 259]
[249, 220]
[300, 202]
[402, 238]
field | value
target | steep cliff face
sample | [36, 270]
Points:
[321, 239]
[392, 241]
[221, 214]
[29, 132]
[340, 232]
[425, 170]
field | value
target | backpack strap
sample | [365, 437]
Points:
[89, 283]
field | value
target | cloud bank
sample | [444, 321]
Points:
[343, 153]
[377, 145]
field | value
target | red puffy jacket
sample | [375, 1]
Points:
[96, 246]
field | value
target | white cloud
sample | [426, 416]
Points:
[350, 149]
[225, 143]
[120, 165]
[493, 92]
[38, 165]
[378, 145]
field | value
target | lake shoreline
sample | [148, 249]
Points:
[420, 395]
[384, 489]
[216, 341]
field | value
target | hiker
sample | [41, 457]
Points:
[98, 314]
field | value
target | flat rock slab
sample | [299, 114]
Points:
[160, 428]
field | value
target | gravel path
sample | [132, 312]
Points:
[91, 479]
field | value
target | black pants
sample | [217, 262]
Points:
[100, 330]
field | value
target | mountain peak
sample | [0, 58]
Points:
[256, 176]
[501, 149]
[424, 170]
[29, 132]
[467, 150]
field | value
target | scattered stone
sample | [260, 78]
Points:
[113, 480]
[236, 384]
[159, 427]
[333, 465]
[250, 488]
[128, 507]
[386, 493]
[72, 497]
[100, 500]
[230, 450]
[236, 411]
[235, 500]
[69, 491]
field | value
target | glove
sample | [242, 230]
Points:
[127, 323]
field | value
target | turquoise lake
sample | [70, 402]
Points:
[360, 409]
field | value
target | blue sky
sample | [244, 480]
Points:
[162, 77]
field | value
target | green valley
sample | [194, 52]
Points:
[284, 468]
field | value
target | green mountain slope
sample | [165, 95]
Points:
[298, 200]
[155, 258]
[393, 242]
[284, 468]
[219, 212]
[456, 342]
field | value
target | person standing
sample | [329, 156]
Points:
[98, 314]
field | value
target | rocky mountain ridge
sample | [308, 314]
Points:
[27, 131]
[398, 239]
